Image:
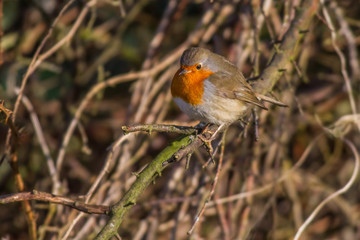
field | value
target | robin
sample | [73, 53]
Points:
[209, 88]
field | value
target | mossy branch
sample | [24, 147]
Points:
[154, 169]
[283, 56]
[288, 49]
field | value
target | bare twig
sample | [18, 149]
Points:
[47, 197]
[269, 186]
[198, 217]
[159, 128]
[85, 140]
[122, 9]
[143, 180]
[42, 141]
[346, 31]
[72, 225]
[335, 194]
[6, 117]
[36, 61]
[223, 220]
[341, 56]
[105, 170]
[148, 62]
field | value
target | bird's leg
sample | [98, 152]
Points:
[216, 132]
[201, 128]
[243, 122]
[207, 141]
[205, 128]
[256, 124]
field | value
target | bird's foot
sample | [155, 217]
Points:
[207, 142]
[202, 128]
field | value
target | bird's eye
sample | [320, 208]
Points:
[198, 67]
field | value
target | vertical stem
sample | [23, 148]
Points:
[25, 204]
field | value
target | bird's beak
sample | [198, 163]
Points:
[183, 71]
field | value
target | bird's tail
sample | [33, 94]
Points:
[270, 100]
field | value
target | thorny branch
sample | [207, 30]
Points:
[51, 198]
[159, 128]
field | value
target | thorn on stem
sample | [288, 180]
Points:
[125, 130]
[150, 131]
[130, 203]
[304, 31]
[188, 158]
[192, 137]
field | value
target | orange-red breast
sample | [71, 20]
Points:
[209, 88]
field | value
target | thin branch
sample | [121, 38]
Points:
[42, 141]
[149, 128]
[30, 216]
[35, 62]
[335, 194]
[142, 89]
[352, 49]
[51, 198]
[198, 217]
[72, 225]
[122, 9]
[341, 56]
[270, 186]
[6, 117]
[105, 170]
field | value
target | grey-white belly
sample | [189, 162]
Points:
[213, 109]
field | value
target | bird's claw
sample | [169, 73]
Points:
[201, 129]
[207, 143]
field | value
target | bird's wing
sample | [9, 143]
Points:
[234, 86]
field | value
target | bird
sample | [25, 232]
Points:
[211, 89]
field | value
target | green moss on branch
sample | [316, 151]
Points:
[154, 169]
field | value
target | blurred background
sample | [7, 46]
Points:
[93, 44]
